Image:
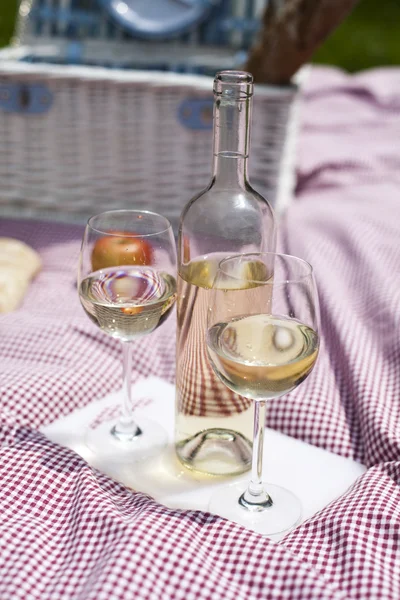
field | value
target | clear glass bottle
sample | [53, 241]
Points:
[213, 432]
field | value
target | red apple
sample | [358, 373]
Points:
[121, 249]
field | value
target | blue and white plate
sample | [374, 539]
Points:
[158, 18]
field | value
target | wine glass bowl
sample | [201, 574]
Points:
[127, 287]
[262, 342]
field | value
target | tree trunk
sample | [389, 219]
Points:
[292, 31]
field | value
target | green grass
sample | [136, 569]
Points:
[369, 37]
[8, 10]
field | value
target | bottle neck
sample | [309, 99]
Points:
[232, 119]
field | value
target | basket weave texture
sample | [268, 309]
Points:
[116, 137]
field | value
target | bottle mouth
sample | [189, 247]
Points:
[233, 84]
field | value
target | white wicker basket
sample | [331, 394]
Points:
[78, 140]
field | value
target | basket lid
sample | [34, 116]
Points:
[152, 19]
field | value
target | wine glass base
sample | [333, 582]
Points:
[106, 446]
[282, 516]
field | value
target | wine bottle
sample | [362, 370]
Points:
[213, 432]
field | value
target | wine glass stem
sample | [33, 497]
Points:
[255, 497]
[126, 427]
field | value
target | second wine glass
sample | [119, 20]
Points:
[262, 342]
[127, 288]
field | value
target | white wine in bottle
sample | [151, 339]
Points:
[213, 424]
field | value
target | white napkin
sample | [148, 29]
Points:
[316, 476]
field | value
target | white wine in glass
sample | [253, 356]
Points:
[262, 343]
[262, 356]
[126, 302]
[127, 288]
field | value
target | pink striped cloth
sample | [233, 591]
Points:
[68, 532]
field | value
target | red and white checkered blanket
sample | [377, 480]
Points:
[68, 532]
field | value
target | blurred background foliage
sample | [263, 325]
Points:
[369, 37]
[8, 10]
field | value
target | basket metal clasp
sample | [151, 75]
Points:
[25, 98]
[196, 113]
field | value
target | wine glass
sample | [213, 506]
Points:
[262, 342]
[127, 287]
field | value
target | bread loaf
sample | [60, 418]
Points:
[19, 263]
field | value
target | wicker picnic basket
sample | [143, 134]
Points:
[92, 116]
